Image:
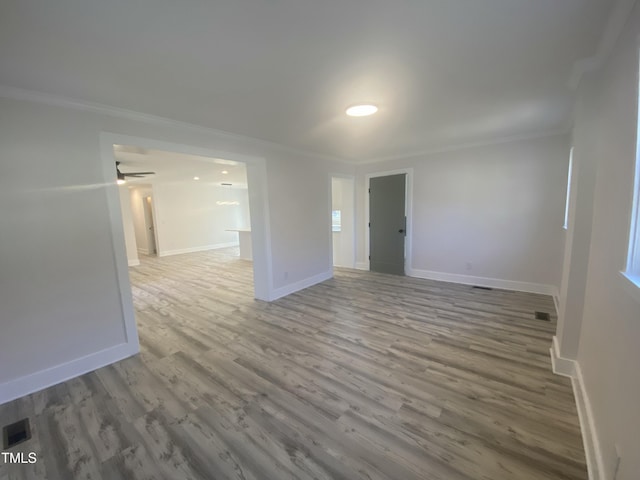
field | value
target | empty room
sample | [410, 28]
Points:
[310, 240]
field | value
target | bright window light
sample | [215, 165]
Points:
[633, 257]
[336, 221]
[566, 205]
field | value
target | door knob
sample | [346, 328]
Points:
[401, 230]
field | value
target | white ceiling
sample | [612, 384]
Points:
[443, 72]
[178, 167]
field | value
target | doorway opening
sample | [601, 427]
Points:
[388, 216]
[168, 241]
[138, 211]
[343, 227]
[183, 203]
[152, 247]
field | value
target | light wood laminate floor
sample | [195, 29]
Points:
[365, 376]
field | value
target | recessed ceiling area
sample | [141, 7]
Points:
[178, 167]
[441, 72]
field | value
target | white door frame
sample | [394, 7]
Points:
[258, 208]
[353, 206]
[408, 211]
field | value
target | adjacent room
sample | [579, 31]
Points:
[175, 203]
[297, 240]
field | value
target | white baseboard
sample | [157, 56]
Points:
[61, 373]
[202, 248]
[300, 285]
[592, 450]
[561, 366]
[485, 282]
[362, 265]
[143, 251]
[593, 453]
[134, 262]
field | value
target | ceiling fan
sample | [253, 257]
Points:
[122, 176]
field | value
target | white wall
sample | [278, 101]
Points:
[301, 193]
[189, 218]
[127, 223]
[605, 339]
[494, 212]
[62, 310]
[342, 198]
[59, 300]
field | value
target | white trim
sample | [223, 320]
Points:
[300, 285]
[592, 450]
[134, 262]
[119, 251]
[561, 366]
[453, 147]
[202, 248]
[362, 266]
[330, 226]
[631, 285]
[258, 206]
[514, 285]
[14, 93]
[567, 205]
[61, 373]
[143, 251]
[353, 224]
[260, 219]
[556, 302]
[408, 253]
[612, 31]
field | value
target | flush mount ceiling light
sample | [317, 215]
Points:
[224, 172]
[361, 110]
[196, 178]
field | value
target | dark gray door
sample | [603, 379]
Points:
[387, 227]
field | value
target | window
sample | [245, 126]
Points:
[336, 221]
[566, 205]
[633, 257]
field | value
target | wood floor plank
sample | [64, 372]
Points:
[365, 376]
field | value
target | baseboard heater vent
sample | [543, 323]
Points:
[543, 316]
[477, 287]
[16, 433]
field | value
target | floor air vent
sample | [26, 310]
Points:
[15, 434]
[477, 287]
[543, 316]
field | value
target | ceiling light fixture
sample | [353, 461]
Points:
[224, 172]
[361, 110]
[196, 178]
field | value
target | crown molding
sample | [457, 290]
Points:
[613, 29]
[14, 93]
[464, 146]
